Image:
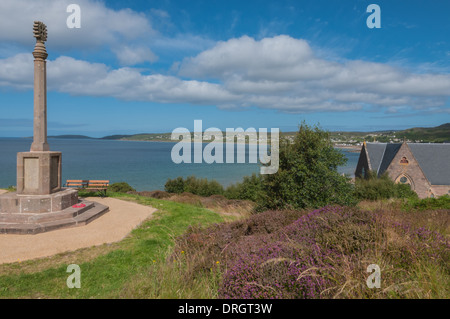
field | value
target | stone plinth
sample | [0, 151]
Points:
[32, 214]
[14, 203]
[38, 173]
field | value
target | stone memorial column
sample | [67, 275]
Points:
[40, 203]
[40, 90]
[39, 171]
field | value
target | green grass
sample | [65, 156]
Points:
[109, 273]
[154, 262]
[442, 202]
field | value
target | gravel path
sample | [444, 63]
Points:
[122, 218]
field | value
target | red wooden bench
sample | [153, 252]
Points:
[100, 186]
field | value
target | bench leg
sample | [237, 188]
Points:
[102, 193]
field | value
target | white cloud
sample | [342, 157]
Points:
[17, 71]
[77, 77]
[269, 59]
[99, 24]
[134, 55]
[160, 13]
[284, 73]
[280, 73]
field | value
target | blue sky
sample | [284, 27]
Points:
[153, 66]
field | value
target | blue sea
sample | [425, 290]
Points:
[143, 165]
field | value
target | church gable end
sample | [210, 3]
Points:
[363, 166]
[405, 169]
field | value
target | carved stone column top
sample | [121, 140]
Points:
[40, 33]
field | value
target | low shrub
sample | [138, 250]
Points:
[153, 194]
[322, 253]
[442, 202]
[222, 242]
[176, 185]
[249, 189]
[196, 186]
[300, 260]
[382, 187]
[121, 187]
[203, 187]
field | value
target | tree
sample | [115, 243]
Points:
[307, 175]
[248, 189]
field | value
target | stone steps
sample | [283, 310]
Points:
[29, 218]
[67, 219]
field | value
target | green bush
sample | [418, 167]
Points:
[307, 174]
[121, 187]
[442, 202]
[175, 185]
[249, 189]
[383, 187]
[203, 187]
[197, 186]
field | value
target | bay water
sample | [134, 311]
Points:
[143, 165]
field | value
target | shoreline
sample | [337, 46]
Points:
[349, 148]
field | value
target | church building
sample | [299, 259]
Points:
[424, 166]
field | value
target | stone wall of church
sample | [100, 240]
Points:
[439, 190]
[404, 168]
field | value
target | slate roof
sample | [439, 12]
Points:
[433, 158]
[375, 152]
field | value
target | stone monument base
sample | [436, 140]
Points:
[38, 173]
[32, 214]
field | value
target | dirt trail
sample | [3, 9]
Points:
[122, 218]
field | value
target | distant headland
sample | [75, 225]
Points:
[438, 134]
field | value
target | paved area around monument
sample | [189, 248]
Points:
[122, 218]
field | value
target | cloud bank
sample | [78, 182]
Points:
[280, 73]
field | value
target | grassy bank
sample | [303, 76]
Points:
[188, 251]
[108, 270]
[325, 253]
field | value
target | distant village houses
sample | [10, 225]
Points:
[424, 166]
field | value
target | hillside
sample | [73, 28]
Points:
[72, 137]
[438, 134]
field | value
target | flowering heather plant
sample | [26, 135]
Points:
[421, 243]
[225, 241]
[323, 253]
[300, 259]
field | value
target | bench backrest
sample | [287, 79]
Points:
[97, 183]
[76, 182]
[87, 183]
